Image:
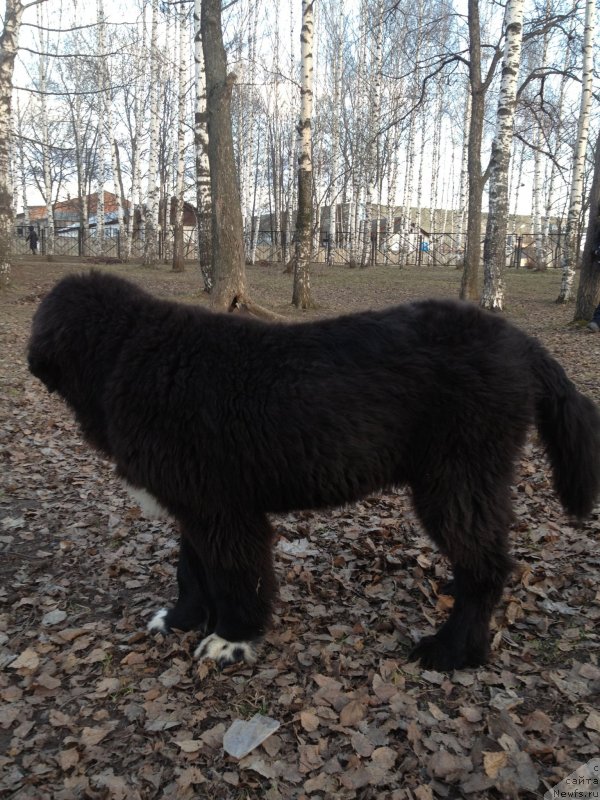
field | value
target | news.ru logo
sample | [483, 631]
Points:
[582, 784]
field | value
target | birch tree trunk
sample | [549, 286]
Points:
[372, 144]
[301, 297]
[136, 222]
[588, 292]
[47, 172]
[78, 130]
[570, 247]
[100, 215]
[434, 190]
[469, 289]
[107, 124]
[409, 176]
[203, 190]
[551, 179]
[275, 159]
[102, 87]
[516, 181]
[228, 267]
[540, 261]
[335, 132]
[9, 43]
[21, 169]
[136, 179]
[360, 136]
[248, 124]
[151, 232]
[419, 198]
[541, 256]
[178, 253]
[392, 179]
[287, 253]
[464, 175]
[494, 251]
[117, 180]
[290, 197]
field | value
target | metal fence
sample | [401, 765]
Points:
[435, 249]
[75, 242]
[422, 250]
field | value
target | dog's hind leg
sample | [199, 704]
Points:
[469, 521]
[237, 552]
[192, 611]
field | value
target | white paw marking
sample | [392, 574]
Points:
[157, 623]
[149, 505]
[224, 652]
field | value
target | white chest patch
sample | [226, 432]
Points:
[149, 505]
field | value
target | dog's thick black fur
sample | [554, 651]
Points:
[223, 419]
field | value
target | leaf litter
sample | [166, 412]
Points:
[92, 706]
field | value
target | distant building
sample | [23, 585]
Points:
[67, 213]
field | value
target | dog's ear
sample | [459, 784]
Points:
[44, 369]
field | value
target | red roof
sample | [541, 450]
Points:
[73, 205]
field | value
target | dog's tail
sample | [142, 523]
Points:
[569, 425]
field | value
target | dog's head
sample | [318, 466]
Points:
[44, 368]
[76, 337]
[44, 349]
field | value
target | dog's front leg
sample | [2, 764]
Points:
[237, 554]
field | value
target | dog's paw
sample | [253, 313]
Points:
[434, 652]
[225, 653]
[158, 621]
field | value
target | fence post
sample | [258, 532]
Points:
[518, 252]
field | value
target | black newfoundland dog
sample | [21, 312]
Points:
[224, 419]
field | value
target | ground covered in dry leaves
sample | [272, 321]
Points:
[94, 707]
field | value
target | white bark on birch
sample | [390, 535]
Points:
[248, 124]
[78, 130]
[21, 168]
[135, 199]
[494, 251]
[290, 222]
[557, 137]
[372, 160]
[102, 87]
[203, 195]
[9, 43]
[423, 145]
[178, 242]
[274, 133]
[110, 133]
[47, 172]
[137, 216]
[570, 254]
[335, 130]
[151, 232]
[434, 188]
[537, 224]
[464, 174]
[301, 297]
[536, 201]
[516, 181]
